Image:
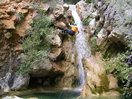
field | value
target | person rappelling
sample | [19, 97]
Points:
[72, 31]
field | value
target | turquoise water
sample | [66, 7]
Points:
[57, 95]
[65, 96]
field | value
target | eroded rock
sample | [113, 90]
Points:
[58, 11]
[20, 82]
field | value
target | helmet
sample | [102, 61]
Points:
[74, 24]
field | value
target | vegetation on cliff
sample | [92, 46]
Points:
[36, 46]
[113, 38]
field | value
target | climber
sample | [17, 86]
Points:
[73, 30]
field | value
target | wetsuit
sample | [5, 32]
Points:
[72, 31]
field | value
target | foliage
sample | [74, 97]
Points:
[71, 1]
[87, 20]
[36, 47]
[93, 44]
[121, 65]
[20, 16]
[89, 1]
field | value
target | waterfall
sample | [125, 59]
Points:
[83, 50]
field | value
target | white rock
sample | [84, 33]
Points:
[102, 34]
[66, 7]
[20, 82]
[12, 97]
[92, 24]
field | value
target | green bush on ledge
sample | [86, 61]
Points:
[36, 47]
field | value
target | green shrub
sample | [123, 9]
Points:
[89, 1]
[36, 47]
[93, 44]
[20, 16]
[87, 20]
[121, 69]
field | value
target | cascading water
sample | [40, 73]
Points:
[83, 50]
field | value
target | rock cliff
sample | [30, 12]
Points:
[60, 70]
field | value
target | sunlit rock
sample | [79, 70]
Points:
[9, 24]
[3, 2]
[66, 7]
[55, 40]
[92, 25]
[55, 53]
[112, 82]
[60, 24]
[96, 79]
[112, 94]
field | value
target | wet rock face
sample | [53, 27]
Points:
[97, 81]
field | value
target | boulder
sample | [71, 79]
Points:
[68, 14]
[82, 9]
[20, 82]
[112, 82]
[112, 94]
[92, 25]
[32, 98]
[9, 24]
[96, 78]
[4, 88]
[102, 34]
[56, 52]
[116, 37]
[60, 24]
[55, 40]
[58, 11]
[66, 7]
[3, 2]
[3, 14]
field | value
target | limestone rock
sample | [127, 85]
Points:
[20, 82]
[12, 97]
[112, 82]
[9, 24]
[55, 53]
[92, 25]
[102, 34]
[8, 35]
[3, 2]
[11, 10]
[32, 98]
[66, 7]
[61, 25]
[3, 14]
[116, 37]
[68, 13]
[55, 40]
[112, 94]
[18, 48]
[96, 79]
[58, 11]
[82, 9]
